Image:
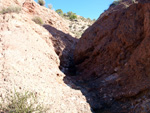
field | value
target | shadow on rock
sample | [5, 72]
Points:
[64, 47]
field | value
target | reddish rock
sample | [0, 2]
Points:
[112, 57]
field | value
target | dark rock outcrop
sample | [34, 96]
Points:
[113, 57]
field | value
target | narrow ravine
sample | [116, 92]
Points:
[107, 70]
[111, 60]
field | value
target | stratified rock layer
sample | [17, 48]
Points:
[113, 55]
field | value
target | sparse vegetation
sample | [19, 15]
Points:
[116, 2]
[38, 20]
[21, 103]
[10, 9]
[60, 12]
[41, 2]
[77, 24]
[71, 15]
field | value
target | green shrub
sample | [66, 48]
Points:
[41, 2]
[71, 15]
[21, 103]
[10, 9]
[116, 2]
[59, 11]
[38, 20]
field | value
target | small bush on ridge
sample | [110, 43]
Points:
[41, 2]
[10, 9]
[60, 12]
[71, 15]
[38, 20]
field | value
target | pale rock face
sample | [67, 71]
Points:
[28, 61]
[5, 3]
[49, 17]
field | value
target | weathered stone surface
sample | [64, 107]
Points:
[49, 17]
[31, 9]
[112, 56]
[64, 43]
[29, 60]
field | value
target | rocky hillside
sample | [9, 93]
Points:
[76, 24]
[31, 57]
[112, 59]
[79, 25]
[107, 70]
